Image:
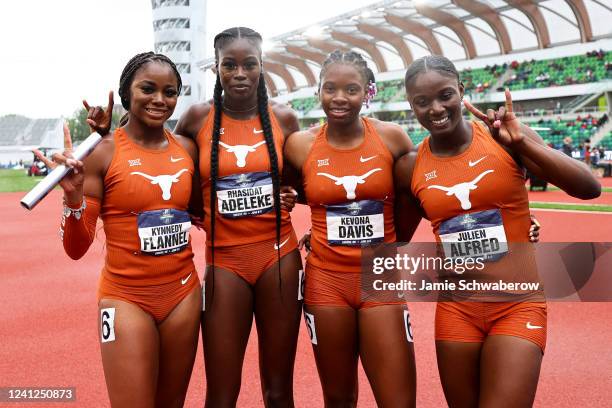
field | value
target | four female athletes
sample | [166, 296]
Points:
[253, 266]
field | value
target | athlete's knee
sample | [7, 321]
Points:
[277, 398]
[340, 400]
[170, 401]
[220, 400]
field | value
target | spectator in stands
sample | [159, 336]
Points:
[567, 147]
[595, 156]
[586, 152]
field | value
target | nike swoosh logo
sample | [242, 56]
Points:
[531, 327]
[257, 131]
[361, 159]
[173, 160]
[277, 247]
[184, 281]
[473, 163]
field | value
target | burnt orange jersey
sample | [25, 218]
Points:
[350, 193]
[484, 181]
[144, 210]
[245, 203]
[478, 207]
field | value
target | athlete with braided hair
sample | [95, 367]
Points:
[253, 265]
[139, 182]
[346, 169]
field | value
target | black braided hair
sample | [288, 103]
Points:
[438, 63]
[264, 117]
[348, 58]
[127, 76]
[221, 40]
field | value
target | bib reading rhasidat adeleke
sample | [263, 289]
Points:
[163, 232]
[357, 223]
[475, 235]
[243, 195]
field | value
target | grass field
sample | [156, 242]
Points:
[603, 189]
[16, 180]
[572, 207]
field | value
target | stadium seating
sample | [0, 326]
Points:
[606, 142]
[481, 79]
[18, 130]
[389, 90]
[576, 69]
[416, 132]
[555, 130]
[592, 67]
[305, 105]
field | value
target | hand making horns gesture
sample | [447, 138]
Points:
[503, 123]
[72, 183]
[99, 120]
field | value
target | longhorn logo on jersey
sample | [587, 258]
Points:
[164, 181]
[241, 151]
[461, 191]
[350, 182]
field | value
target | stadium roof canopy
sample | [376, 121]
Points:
[392, 33]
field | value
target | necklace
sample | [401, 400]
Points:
[239, 111]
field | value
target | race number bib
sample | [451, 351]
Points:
[358, 223]
[245, 195]
[474, 235]
[163, 232]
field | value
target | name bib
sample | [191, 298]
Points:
[163, 232]
[245, 195]
[474, 235]
[358, 223]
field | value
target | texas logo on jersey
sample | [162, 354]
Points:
[461, 191]
[350, 182]
[164, 181]
[241, 151]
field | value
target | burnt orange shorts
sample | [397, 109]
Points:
[472, 322]
[250, 261]
[328, 288]
[156, 300]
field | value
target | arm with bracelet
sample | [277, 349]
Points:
[83, 191]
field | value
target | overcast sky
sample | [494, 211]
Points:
[57, 52]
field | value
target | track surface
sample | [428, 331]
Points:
[48, 334]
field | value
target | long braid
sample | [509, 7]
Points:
[264, 117]
[214, 171]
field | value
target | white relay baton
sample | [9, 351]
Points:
[47, 184]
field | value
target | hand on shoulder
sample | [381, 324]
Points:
[287, 118]
[298, 144]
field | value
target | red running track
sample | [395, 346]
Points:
[48, 319]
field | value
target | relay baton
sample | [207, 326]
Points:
[47, 184]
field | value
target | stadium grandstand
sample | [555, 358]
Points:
[554, 55]
[19, 135]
